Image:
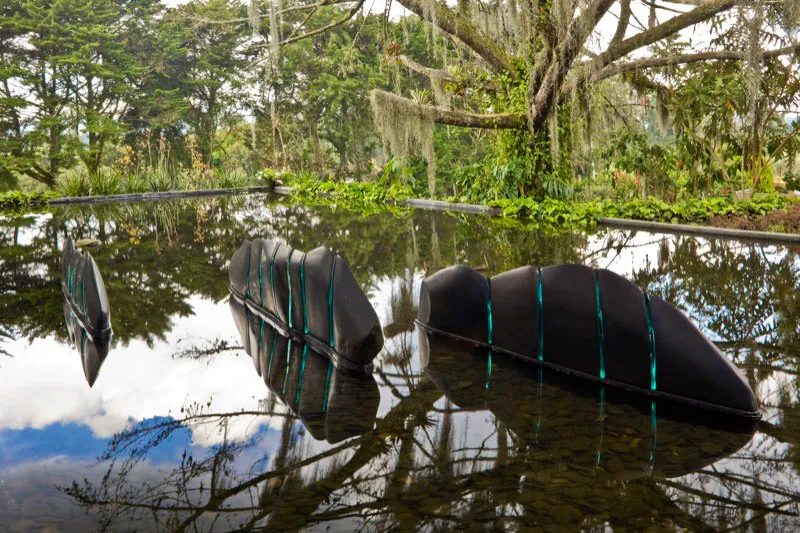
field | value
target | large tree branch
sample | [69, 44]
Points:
[658, 62]
[464, 119]
[566, 53]
[426, 71]
[672, 26]
[624, 20]
[460, 27]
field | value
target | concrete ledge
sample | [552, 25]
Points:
[440, 205]
[149, 196]
[726, 233]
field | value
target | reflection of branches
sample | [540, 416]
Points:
[5, 335]
[210, 349]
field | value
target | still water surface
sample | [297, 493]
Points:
[179, 432]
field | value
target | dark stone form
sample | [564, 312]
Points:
[312, 298]
[86, 309]
[585, 424]
[592, 323]
[334, 403]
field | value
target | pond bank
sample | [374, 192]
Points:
[740, 225]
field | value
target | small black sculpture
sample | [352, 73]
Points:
[333, 402]
[310, 297]
[591, 323]
[86, 309]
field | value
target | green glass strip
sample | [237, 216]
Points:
[489, 307]
[303, 293]
[654, 429]
[289, 283]
[260, 275]
[488, 370]
[70, 274]
[539, 401]
[602, 422]
[601, 337]
[651, 333]
[272, 353]
[332, 341]
[300, 380]
[83, 291]
[272, 279]
[540, 301]
[247, 281]
[286, 375]
[327, 386]
[260, 333]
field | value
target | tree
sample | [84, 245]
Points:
[216, 67]
[520, 63]
[67, 75]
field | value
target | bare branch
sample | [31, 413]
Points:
[464, 119]
[657, 62]
[648, 37]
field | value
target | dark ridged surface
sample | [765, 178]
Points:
[595, 324]
[308, 297]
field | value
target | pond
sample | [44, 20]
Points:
[180, 432]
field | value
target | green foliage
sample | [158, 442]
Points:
[365, 197]
[21, 201]
[556, 213]
[74, 182]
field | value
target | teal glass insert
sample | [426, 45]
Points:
[602, 417]
[289, 283]
[327, 387]
[260, 333]
[540, 300]
[272, 353]
[300, 380]
[288, 360]
[303, 292]
[653, 427]
[332, 341]
[601, 338]
[260, 276]
[488, 370]
[489, 307]
[651, 333]
[247, 280]
[272, 278]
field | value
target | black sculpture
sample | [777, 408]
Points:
[589, 426]
[86, 309]
[334, 403]
[591, 323]
[309, 297]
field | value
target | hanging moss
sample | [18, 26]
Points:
[404, 130]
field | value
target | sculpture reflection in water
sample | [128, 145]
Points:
[86, 309]
[333, 402]
[590, 427]
[552, 453]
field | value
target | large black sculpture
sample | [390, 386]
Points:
[588, 426]
[332, 402]
[591, 323]
[310, 297]
[86, 309]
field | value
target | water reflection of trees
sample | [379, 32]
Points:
[413, 469]
[543, 452]
[153, 256]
